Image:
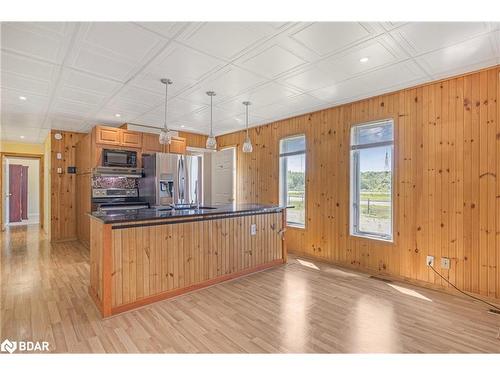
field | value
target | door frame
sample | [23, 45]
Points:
[41, 197]
[235, 177]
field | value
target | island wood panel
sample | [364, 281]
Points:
[63, 186]
[446, 181]
[83, 207]
[96, 261]
[150, 260]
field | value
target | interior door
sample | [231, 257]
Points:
[223, 176]
[24, 192]
[15, 178]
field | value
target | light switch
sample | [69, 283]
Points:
[59, 170]
[253, 229]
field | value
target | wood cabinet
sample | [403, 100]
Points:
[83, 207]
[130, 138]
[151, 143]
[177, 146]
[106, 135]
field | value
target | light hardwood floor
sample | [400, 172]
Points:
[303, 306]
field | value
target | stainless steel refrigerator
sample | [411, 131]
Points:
[171, 179]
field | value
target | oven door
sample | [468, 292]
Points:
[119, 158]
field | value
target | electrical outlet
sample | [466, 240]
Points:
[59, 170]
[430, 259]
[253, 229]
[445, 263]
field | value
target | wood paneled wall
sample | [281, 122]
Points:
[446, 186]
[63, 219]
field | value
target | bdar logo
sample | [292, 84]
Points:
[8, 346]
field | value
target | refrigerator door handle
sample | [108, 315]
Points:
[182, 181]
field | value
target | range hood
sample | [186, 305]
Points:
[117, 172]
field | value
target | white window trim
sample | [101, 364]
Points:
[282, 178]
[354, 184]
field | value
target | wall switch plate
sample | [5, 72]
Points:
[59, 170]
[253, 229]
[58, 156]
[445, 263]
[430, 259]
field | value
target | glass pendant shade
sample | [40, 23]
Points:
[211, 142]
[165, 137]
[247, 145]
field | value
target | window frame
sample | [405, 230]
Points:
[282, 185]
[354, 181]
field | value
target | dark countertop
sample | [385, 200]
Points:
[123, 216]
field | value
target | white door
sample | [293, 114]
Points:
[5, 193]
[224, 176]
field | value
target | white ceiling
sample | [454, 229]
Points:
[75, 75]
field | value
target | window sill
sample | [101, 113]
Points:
[389, 241]
[296, 226]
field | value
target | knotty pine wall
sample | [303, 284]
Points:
[63, 186]
[446, 185]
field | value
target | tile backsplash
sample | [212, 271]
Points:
[114, 182]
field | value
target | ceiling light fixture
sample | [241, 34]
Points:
[165, 136]
[247, 145]
[21, 136]
[363, 59]
[211, 142]
[22, 98]
[118, 115]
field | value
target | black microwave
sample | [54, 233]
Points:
[119, 158]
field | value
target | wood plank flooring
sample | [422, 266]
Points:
[303, 306]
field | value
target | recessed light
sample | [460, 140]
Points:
[182, 126]
[22, 98]
[21, 136]
[363, 59]
[118, 115]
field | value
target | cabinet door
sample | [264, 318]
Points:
[177, 146]
[108, 136]
[131, 139]
[151, 143]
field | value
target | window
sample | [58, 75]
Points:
[293, 179]
[371, 179]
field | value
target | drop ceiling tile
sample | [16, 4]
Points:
[270, 93]
[311, 78]
[28, 67]
[345, 65]
[151, 82]
[120, 104]
[14, 133]
[72, 108]
[423, 37]
[227, 39]
[459, 57]
[237, 122]
[88, 82]
[184, 63]
[136, 94]
[22, 120]
[33, 103]
[326, 37]
[226, 83]
[370, 83]
[66, 123]
[29, 39]
[103, 64]
[78, 95]
[166, 29]
[301, 102]
[273, 61]
[25, 84]
[271, 111]
[132, 42]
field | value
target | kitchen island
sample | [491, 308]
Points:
[143, 256]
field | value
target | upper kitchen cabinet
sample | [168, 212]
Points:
[151, 143]
[106, 135]
[131, 139]
[177, 146]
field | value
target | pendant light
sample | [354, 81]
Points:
[247, 145]
[211, 142]
[165, 136]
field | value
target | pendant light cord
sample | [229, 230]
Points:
[166, 101]
[246, 105]
[211, 118]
